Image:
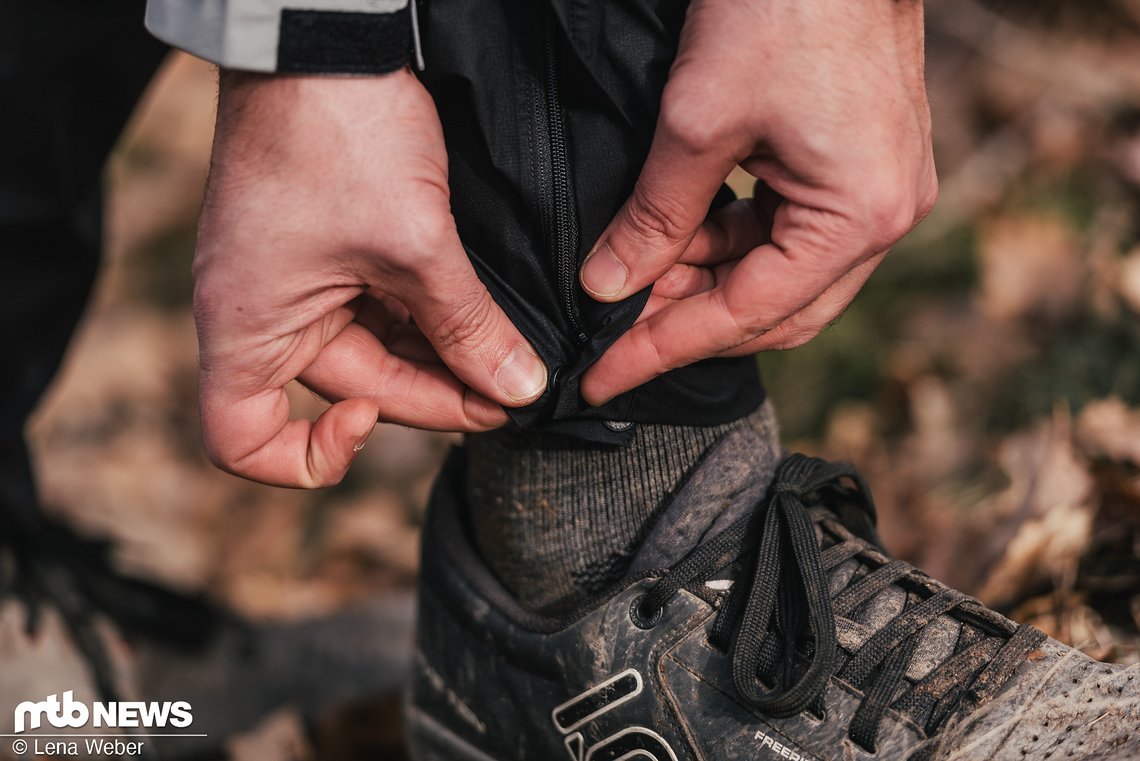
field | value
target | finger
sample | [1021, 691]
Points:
[730, 233]
[356, 364]
[294, 453]
[391, 323]
[382, 315]
[766, 287]
[408, 342]
[654, 305]
[469, 331]
[653, 228]
[683, 281]
[245, 409]
[799, 328]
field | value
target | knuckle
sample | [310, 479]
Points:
[432, 240]
[653, 215]
[928, 198]
[745, 321]
[222, 457]
[748, 325]
[695, 135]
[649, 349]
[675, 281]
[418, 243]
[219, 459]
[890, 215]
[466, 326]
[310, 481]
[692, 122]
[318, 474]
[894, 206]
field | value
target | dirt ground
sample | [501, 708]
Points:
[987, 381]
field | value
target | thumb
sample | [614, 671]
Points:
[253, 437]
[469, 331]
[654, 227]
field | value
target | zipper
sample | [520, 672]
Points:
[561, 211]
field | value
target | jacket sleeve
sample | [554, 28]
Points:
[289, 36]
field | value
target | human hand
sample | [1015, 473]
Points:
[825, 103]
[327, 253]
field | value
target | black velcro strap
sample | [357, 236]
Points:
[339, 42]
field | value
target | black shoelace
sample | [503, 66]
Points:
[780, 620]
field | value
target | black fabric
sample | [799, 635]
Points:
[319, 42]
[489, 69]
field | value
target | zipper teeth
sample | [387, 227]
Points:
[564, 218]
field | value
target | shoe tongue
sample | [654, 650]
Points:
[728, 482]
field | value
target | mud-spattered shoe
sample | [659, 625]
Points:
[760, 621]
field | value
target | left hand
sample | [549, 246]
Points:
[825, 104]
[327, 254]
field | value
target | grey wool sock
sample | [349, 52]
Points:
[559, 520]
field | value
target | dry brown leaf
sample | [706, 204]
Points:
[1031, 267]
[1108, 428]
[1049, 508]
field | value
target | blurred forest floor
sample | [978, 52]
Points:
[987, 380]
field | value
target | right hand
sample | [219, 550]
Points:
[825, 104]
[327, 253]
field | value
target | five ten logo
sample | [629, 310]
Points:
[632, 742]
[72, 713]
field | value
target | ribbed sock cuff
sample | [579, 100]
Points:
[558, 520]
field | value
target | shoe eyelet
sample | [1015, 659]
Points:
[638, 616]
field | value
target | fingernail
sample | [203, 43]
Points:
[603, 274]
[522, 375]
[360, 444]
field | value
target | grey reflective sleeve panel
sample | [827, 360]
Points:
[290, 36]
